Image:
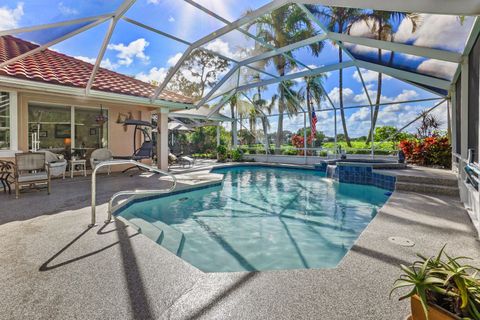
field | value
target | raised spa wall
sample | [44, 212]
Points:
[361, 173]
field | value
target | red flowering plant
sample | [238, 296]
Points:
[434, 150]
[299, 142]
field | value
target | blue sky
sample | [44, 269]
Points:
[147, 56]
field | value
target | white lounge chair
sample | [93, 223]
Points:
[57, 165]
[185, 160]
[100, 155]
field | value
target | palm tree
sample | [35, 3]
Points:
[281, 27]
[262, 108]
[238, 107]
[233, 104]
[312, 93]
[340, 20]
[381, 24]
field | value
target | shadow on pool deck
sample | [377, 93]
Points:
[139, 302]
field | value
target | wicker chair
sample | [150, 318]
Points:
[7, 175]
[31, 169]
[57, 166]
[101, 155]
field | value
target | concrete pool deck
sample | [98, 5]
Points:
[53, 267]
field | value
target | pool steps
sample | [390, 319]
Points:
[429, 185]
[158, 231]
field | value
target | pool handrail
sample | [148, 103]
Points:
[127, 192]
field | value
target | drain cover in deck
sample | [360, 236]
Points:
[401, 241]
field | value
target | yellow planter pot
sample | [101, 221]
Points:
[434, 312]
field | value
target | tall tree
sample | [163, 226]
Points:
[382, 25]
[233, 105]
[200, 71]
[313, 94]
[262, 108]
[281, 27]
[340, 20]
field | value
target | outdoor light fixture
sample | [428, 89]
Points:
[101, 118]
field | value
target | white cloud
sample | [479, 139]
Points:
[9, 18]
[436, 31]
[223, 47]
[174, 59]
[106, 63]
[65, 10]
[369, 76]
[127, 53]
[86, 59]
[171, 19]
[441, 69]
[154, 74]
[158, 74]
[397, 115]
[348, 95]
[153, 1]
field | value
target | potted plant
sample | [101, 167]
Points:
[221, 153]
[441, 288]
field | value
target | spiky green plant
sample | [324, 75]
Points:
[443, 281]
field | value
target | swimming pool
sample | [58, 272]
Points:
[261, 218]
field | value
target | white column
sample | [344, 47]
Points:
[218, 134]
[162, 139]
[464, 109]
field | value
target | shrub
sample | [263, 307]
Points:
[299, 143]
[237, 155]
[221, 153]
[429, 151]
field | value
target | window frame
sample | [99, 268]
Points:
[8, 153]
[71, 108]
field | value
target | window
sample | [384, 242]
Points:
[89, 133]
[5, 121]
[473, 97]
[52, 126]
[67, 130]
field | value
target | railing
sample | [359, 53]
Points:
[127, 192]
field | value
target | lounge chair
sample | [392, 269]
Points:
[186, 161]
[57, 166]
[100, 155]
[31, 169]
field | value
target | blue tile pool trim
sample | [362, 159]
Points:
[360, 175]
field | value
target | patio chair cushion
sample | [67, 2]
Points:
[187, 159]
[50, 156]
[27, 177]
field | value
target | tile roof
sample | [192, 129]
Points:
[56, 68]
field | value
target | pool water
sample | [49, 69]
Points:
[261, 218]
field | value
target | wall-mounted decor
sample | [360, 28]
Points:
[62, 131]
[93, 131]
[122, 117]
